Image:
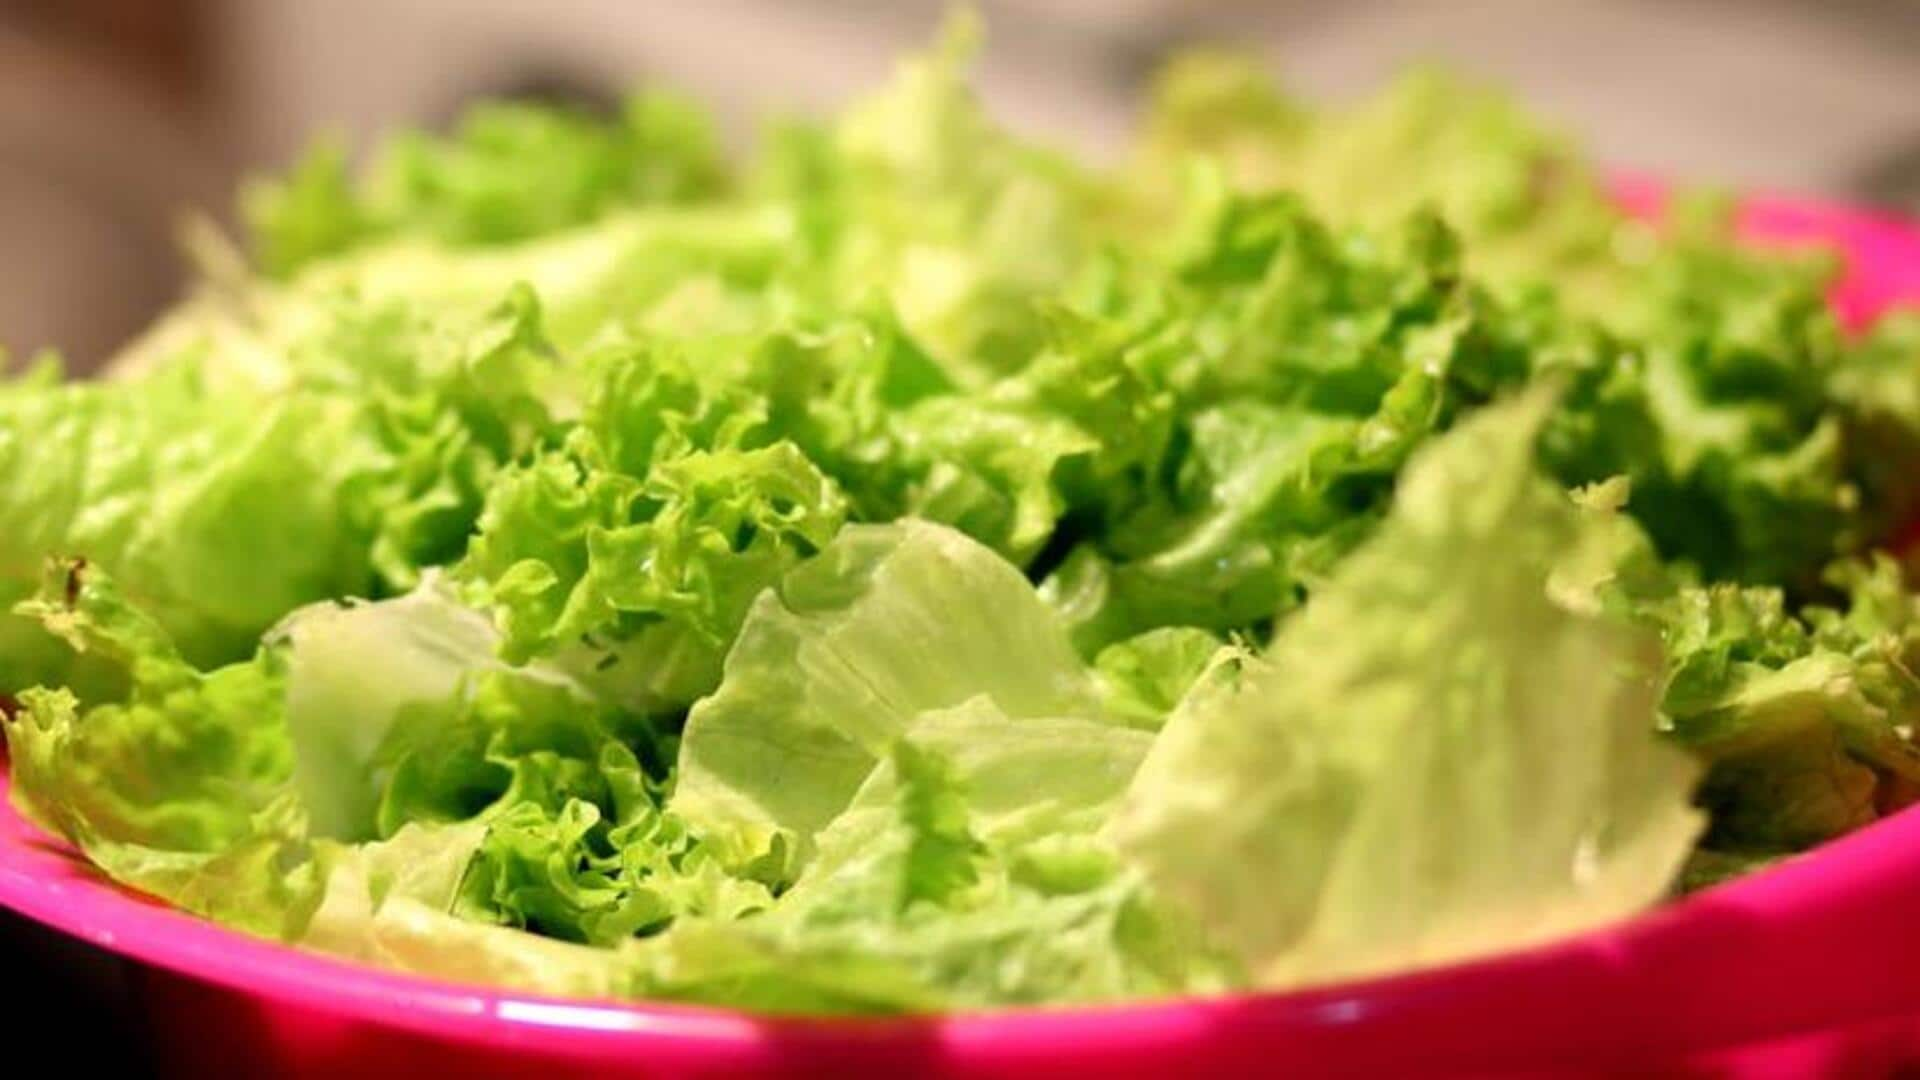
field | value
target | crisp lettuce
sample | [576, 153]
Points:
[475, 186]
[391, 903]
[916, 570]
[222, 504]
[1473, 768]
[889, 625]
[182, 787]
[1806, 717]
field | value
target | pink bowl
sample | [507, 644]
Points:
[1811, 967]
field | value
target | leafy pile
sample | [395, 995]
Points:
[918, 571]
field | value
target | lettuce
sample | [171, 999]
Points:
[474, 187]
[390, 903]
[916, 570]
[888, 625]
[182, 787]
[1474, 769]
[224, 504]
[1806, 717]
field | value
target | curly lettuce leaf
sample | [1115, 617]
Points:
[1806, 717]
[180, 788]
[1730, 397]
[473, 187]
[224, 504]
[646, 537]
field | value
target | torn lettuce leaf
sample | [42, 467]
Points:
[1475, 768]
[887, 624]
[364, 680]
[179, 789]
[217, 508]
[1143, 679]
[933, 890]
[940, 839]
[391, 903]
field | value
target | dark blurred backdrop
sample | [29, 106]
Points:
[114, 114]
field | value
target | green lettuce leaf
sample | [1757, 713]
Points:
[1806, 717]
[216, 508]
[224, 504]
[942, 831]
[474, 186]
[391, 903]
[1144, 678]
[361, 677]
[181, 788]
[648, 535]
[1529, 205]
[853, 647]
[936, 890]
[1475, 769]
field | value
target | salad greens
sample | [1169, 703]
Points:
[1470, 770]
[916, 570]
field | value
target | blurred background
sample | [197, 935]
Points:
[116, 114]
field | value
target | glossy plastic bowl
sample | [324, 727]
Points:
[1811, 967]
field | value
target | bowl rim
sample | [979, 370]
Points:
[1621, 990]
